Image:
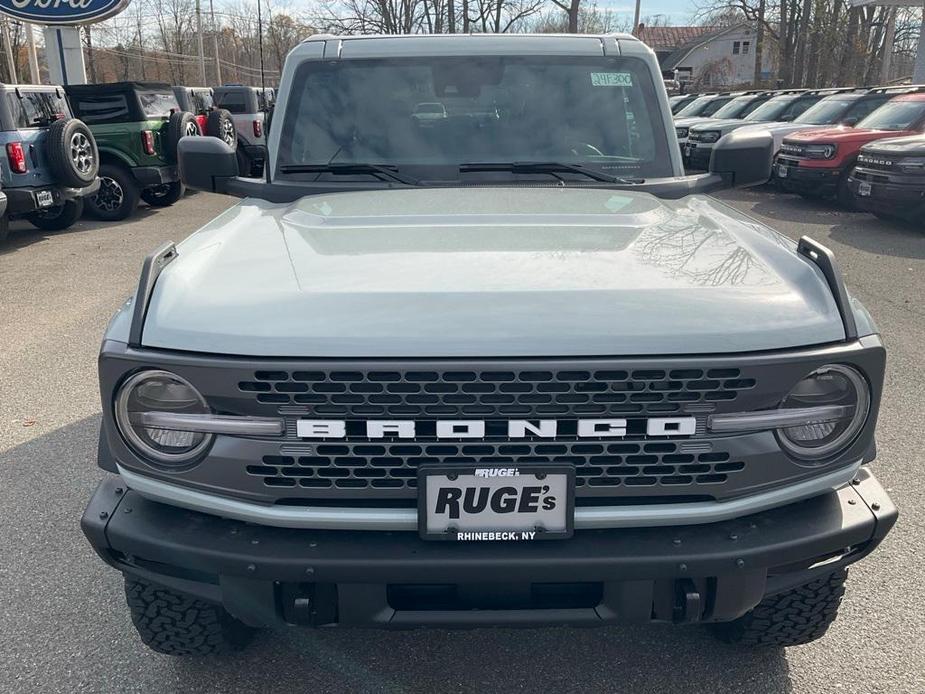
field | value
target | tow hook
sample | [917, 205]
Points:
[688, 605]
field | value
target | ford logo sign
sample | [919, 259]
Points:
[62, 11]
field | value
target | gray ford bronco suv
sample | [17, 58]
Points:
[506, 366]
[50, 160]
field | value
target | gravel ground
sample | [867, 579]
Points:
[63, 624]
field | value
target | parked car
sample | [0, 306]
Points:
[212, 121]
[844, 110]
[513, 399]
[679, 101]
[888, 179]
[817, 163]
[51, 157]
[705, 105]
[248, 107]
[781, 109]
[736, 109]
[137, 126]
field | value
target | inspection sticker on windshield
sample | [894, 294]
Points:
[611, 79]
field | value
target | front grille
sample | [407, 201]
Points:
[501, 393]
[394, 466]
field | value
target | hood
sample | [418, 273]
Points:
[912, 146]
[777, 130]
[487, 272]
[724, 125]
[840, 134]
[691, 120]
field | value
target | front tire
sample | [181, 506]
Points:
[165, 195]
[176, 624]
[117, 196]
[58, 218]
[791, 618]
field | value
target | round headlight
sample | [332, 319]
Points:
[832, 385]
[160, 391]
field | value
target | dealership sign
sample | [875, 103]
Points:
[62, 12]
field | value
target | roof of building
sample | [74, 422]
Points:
[670, 38]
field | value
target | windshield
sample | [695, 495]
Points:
[703, 106]
[738, 107]
[36, 109]
[158, 104]
[771, 110]
[825, 112]
[600, 112]
[895, 115]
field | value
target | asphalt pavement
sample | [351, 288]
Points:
[63, 622]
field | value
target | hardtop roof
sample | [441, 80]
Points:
[114, 87]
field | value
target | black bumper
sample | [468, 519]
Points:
[699, 157]
[155, 175]
[800, 179]
[894, 199]
[24, 200]
[267, 576]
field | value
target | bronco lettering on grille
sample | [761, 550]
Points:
[479, 428]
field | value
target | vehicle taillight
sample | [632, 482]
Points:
[147, 141]
[16, 157]
[258, 128]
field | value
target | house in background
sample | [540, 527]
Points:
[709, 56]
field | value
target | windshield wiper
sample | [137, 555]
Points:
[347, 169]
[548, 167]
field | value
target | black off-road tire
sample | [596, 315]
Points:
[165, 195]
[58, 218]
[220, 124]
[181, 124]
[791, 618]
[176, 624]
[114, 180]
[72, 153]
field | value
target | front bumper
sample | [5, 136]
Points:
[269, 575]
[24, 200]
[882, 195]
[698, 155]
[801, 179]
[156, 175]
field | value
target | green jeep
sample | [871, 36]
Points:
[137, 126]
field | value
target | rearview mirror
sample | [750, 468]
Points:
[743, 159]
[206, 163]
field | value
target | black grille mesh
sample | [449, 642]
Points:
[394, 465]
[495, 393]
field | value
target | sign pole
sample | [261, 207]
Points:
[10, 63]
[218, 63]
[33, 57]
[202, 55]
[918, 74]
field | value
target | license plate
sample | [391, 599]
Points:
[494, 503]
[864, 189]
[782, 171]
[44, 198]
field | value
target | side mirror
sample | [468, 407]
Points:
[850, 122]
[206, 163]
[743, 159]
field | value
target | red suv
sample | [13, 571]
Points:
[816, 162]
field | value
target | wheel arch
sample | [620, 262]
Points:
[114, 156]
